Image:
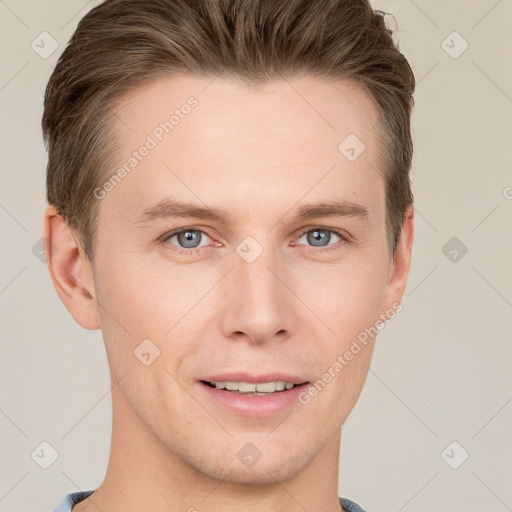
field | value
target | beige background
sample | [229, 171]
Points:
[441, 370]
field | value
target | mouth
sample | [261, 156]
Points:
[252, 400]
[253, 388]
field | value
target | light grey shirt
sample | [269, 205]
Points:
[72, 499]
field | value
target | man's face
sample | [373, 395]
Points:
[264, 291]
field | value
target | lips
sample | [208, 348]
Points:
[249, 404]
[254, 378]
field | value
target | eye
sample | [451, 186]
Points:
[188, 238]
[320, 237]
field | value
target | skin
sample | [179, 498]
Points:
[259, 154]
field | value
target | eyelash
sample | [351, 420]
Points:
[189, 252]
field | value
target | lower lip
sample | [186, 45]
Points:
[254, 406]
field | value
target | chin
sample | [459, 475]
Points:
[265, 469]
[254, 476]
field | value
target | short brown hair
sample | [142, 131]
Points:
[122, 44]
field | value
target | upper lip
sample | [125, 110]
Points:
[255, 378]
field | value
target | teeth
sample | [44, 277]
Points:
[245, 387]
[262, 387]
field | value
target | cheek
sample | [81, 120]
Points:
[143, 311]
[145, 298]
[348, 296]
[348, 301]
[150, 296]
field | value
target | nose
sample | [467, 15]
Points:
[257, 305]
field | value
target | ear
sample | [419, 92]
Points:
[71, 271]
[399, 270]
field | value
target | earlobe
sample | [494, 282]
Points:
[70, 270]
[401, 262]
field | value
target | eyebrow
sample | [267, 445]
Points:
[170, 208]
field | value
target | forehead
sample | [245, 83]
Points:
[274, 142]
[223, 105]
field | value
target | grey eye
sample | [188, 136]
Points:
[319, 237]
[187, 238]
